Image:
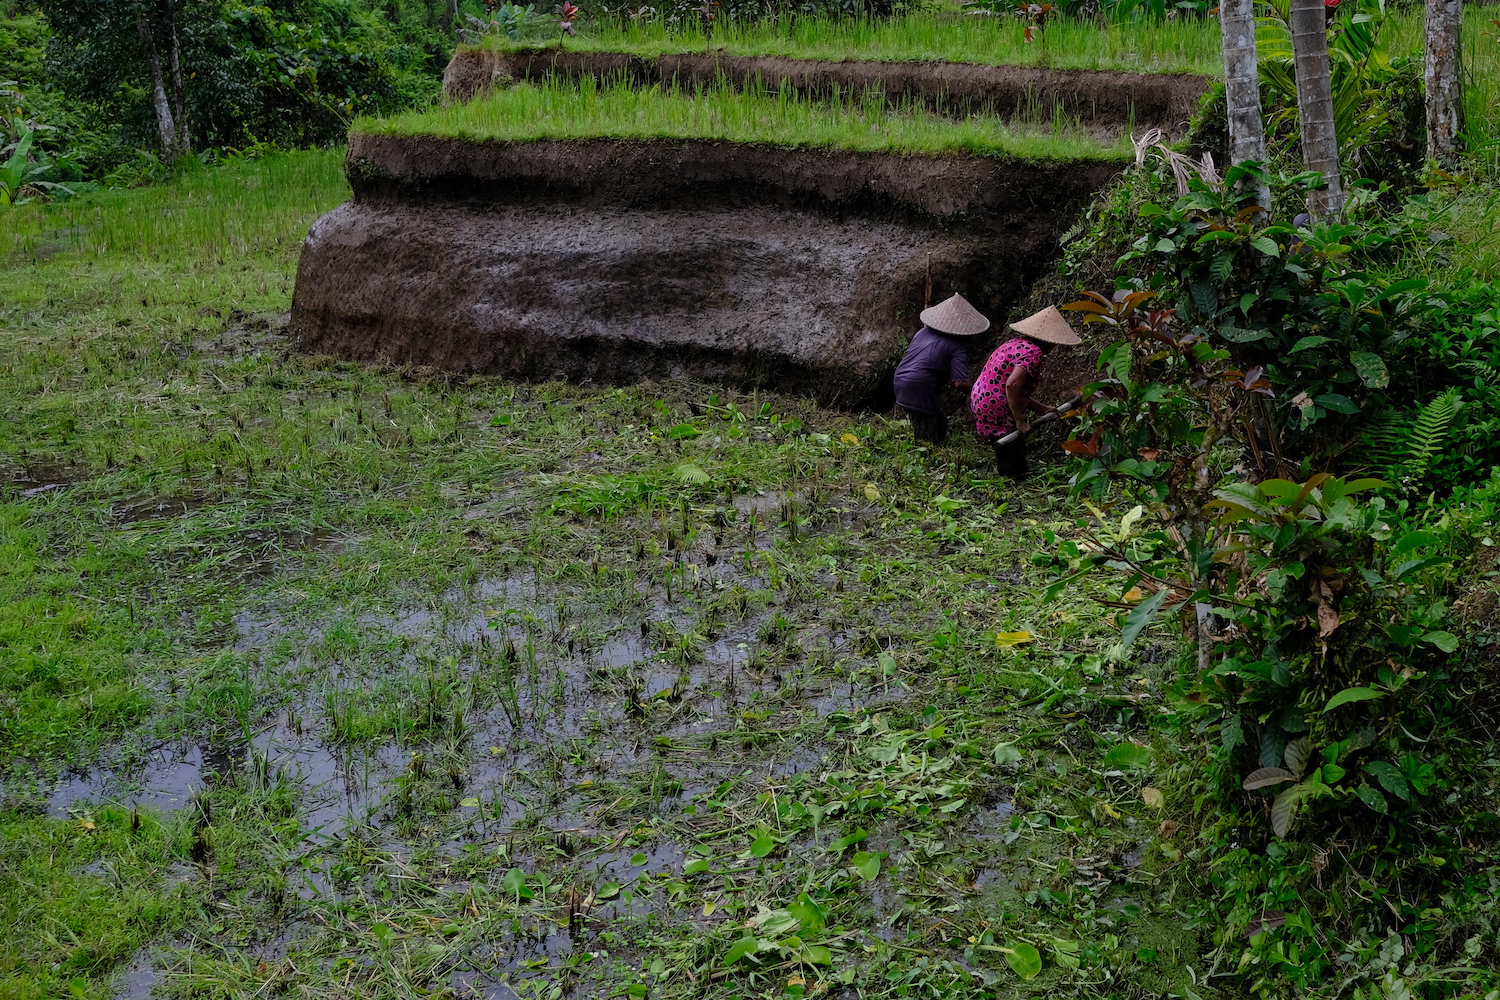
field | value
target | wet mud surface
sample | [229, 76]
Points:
[1112, 101]
[615, 261]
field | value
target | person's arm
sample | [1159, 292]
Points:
[958, 369]
[1016, 396]
[1039, 407]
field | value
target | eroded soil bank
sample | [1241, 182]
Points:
[1096, 98]
[619, 261]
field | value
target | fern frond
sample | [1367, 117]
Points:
[1486, 373]
[1386, 439]
[1428, 433]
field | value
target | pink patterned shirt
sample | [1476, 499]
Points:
[992, 416]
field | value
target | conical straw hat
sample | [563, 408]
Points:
[955, 316]
[1047, 326]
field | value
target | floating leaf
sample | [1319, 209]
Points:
[1008, 640]
[608, 890]
[867, 865]
[1348, 695]
[1153, 797]
[637, 859]
[1024, 960]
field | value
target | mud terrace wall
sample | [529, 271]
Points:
[618, 261]
[1107, 101]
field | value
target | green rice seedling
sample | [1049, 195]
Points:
[558, 110]
[1188, 45]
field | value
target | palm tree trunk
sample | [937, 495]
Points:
[1320, 142]
[1445, 106]
[1247, 131]
[165, 124]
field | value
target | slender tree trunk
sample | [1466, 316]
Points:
[1247, 131]
[165, 123]
[1445, 105]
[1320, 141]
[179, 95]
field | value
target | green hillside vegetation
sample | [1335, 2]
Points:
[560, 110]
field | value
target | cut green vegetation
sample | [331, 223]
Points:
[590, 111]
[1189, 45]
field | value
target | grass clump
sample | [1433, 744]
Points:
[559, 110]
[1178, 46]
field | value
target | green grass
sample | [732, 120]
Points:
[1481, 44]
[1185, 46]
[558, 110]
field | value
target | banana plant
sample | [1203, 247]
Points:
[20, 176]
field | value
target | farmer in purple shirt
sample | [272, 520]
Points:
[936, 358]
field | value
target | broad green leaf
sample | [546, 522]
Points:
[1006, 753]
[695, 867]
[1347, 695]
[608, 890]
[1164, 245]
[1337, 402]
[867, 865]
[762, 846]
[778, 923]
[1332, 774]
[1372, 798]
[684, 431]
[1008, 640]
[1307, 342]
[812, 916]
[1129, 757]
[1370, 369]
[1266, 245]
[1284, 809]
[1266, 776]
[470, 803]
[1142, 615]
[843, 842]
[515, 881]
[744, 946]
[1446, 641]
[1024, 960]
[637, 859]
[887, 664]
[1390, 778]
[816, 954]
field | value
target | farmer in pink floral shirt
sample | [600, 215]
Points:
[1002, 392]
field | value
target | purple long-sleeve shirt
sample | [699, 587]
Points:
[931, 362]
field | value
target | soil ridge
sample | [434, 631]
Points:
[960, 190]
[1109, 98]
[621, 261]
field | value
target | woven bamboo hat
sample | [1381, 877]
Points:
[1047, 326]
[955, 316]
